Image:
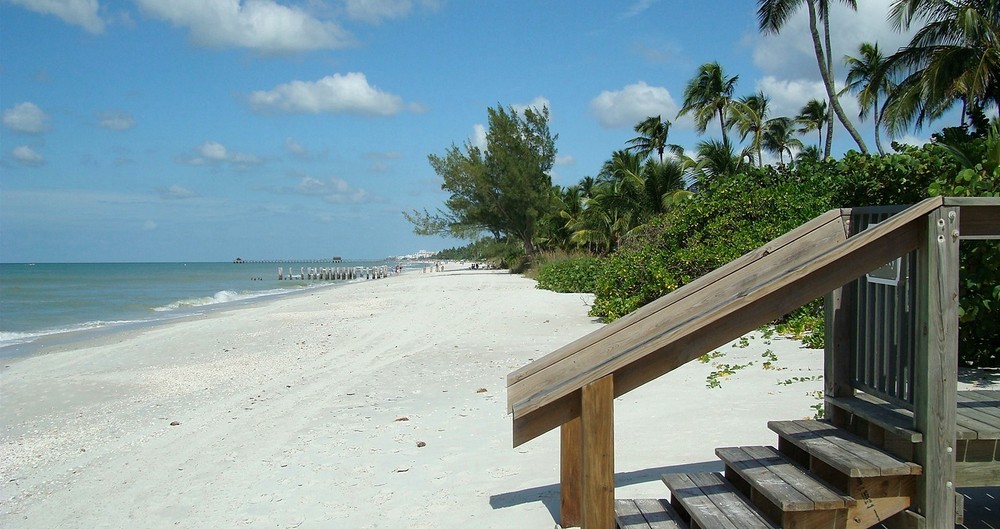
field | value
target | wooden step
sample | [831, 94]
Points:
[784, 491]
[647, 514]
[843, 451]
[882, 484]
[708, 501]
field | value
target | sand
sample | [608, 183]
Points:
[374, 404]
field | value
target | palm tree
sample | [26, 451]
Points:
[954, 57]
[708, 94]
[865, 80]
[772, 15]
[779, 138]
[749, 114]
[809, 152]
[717, 158]
[662, 181]
[652, 136]
[811, 117]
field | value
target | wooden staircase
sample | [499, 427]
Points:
[819, 477]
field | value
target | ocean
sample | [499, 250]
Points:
[39, 302]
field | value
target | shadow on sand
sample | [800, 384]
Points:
[549, 494]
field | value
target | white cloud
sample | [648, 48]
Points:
[790, 53]
[27, 118]
[536, 104]
[565, 159]
[27, 156]
[333, 190]
[787, 97]
[478, 138]
[632, 104]
[262, 25]
[81, 13]
[215, 153]
[116, 120]
[348, 93]
[149, 225]
[909, 139]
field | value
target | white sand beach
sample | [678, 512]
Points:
[374, 404]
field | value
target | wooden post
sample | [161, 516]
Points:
[597, 406]
[570, 473]
[839, 311]
[936, 367]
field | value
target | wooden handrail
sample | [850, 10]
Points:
[575, 386]
[804, 264]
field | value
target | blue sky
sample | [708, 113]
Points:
[203, 130]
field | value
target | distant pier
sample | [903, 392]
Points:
[339, 273]
[240, 260]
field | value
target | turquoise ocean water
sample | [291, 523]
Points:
[40, 302]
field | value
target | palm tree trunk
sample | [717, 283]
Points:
[825, 73]
[829, 72]
[722, 124]
[878, 139]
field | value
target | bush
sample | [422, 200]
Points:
[569, 275]
[734, 215]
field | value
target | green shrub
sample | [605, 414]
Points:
[629, 279]
[734, 215]
[979, 276]
[569, 275]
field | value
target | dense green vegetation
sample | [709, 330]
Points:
[656, 215]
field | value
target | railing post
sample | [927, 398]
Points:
[936, 370]
[838, 308]
[597, 403]
[570, 473]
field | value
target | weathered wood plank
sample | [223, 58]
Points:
[711, 501]
[837, 349]
[570, 473]
[843, 451]
[659, 514]
[985, 402]
[936, 368]
[597, 431]
[980, 218]
[784, 484]
[977, 474]
[894, 419]
[763, 290]
[822, 496]
[646, 514]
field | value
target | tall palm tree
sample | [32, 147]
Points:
[813, 116]
[771, 17]
[954, 57]
[652, 136]
[749, 115]
[865, 80]
[779, 138]
[708, 94]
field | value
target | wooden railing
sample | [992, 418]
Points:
[883, 313]
[574, 387]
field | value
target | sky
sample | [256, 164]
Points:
[205, 130]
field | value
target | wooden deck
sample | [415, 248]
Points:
[977, 431]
